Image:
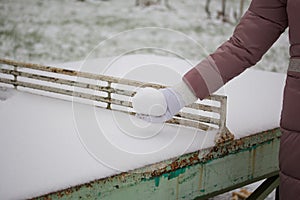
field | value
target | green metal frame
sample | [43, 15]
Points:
[198, 175]
[265, 188]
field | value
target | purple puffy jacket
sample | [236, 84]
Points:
[258, 29]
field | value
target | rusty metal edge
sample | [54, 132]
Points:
[171, 165]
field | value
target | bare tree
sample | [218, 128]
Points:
[238, 13]
[207, 10]
[223, 7]
[167, 4]
[242, 8]
[222, 13]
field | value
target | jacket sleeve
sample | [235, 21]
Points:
[259, 28]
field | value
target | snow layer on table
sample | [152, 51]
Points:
[254, 97]
[49, 144]
[254, 102]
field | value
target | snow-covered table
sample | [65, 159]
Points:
[43, 148]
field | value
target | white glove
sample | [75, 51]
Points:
[158, 106]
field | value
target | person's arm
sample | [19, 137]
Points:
[258, 29]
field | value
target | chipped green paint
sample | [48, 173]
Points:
[175, 173]
[168, 176]
[157, 179]
[216, 170]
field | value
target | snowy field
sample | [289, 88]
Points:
[58, 31]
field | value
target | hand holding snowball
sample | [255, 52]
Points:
[160, 105]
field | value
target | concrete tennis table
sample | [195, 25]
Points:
[65, 169]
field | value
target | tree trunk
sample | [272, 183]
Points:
[137, 2]
[242, 8]
[167, 4]
[223, 7]
[207, 8]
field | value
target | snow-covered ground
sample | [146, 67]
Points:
[60, 31]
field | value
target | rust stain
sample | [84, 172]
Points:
[177, 164]
[64, 71]
[60, 194]
[194, 158]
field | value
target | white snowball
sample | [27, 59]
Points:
[149, 101]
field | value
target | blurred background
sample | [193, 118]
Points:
[57, 31]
